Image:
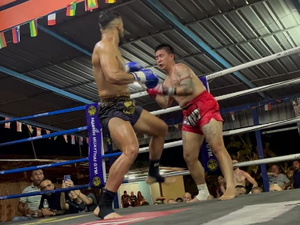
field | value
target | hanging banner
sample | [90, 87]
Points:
[95, 144]
[209, 160]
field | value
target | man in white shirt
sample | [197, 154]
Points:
[28, 206]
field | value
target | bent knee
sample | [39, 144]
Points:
[131, 151]
[161, 130]
[189, 159]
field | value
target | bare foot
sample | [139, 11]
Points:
[109, 216]
[168, 180]
[230, 193]
[210, 197]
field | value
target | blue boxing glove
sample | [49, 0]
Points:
[132, 67]
[146, 77]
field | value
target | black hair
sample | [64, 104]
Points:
[106, 17]
[169, 49]
[44, 180]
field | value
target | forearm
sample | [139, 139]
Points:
[121, 78]
[85, 199]
[254, 184]
[22, 209]
[162, 101]
[62, 200]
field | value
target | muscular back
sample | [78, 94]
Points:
[107, 57]
[184, 76]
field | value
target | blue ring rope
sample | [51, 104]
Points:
[54, 164]
[74, 130]
[5, 197]
[44, 114]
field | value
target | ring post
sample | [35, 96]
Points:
[95, 146]
[260, 151]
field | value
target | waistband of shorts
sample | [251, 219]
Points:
[196, 99]
[115, 98]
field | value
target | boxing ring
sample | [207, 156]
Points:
[283, 207]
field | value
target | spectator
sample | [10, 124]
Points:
[29, 206]
[171, 201]
[75, 201]
[241, 176]
[274, 187]
[125, 200]
[222, 186]
[179, 199]
[187, 197]
[140, 198]
[296, 176]
[132, 198]
[240, 190]
[256, 190]
[275, 177]
[50, 203]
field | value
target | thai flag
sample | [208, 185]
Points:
[16, 34]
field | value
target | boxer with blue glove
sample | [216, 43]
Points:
[118, 114]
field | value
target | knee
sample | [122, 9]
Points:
[131, 152]
[162, 130]
[217, 148]
[189, 159]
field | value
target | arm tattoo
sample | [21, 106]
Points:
[185, 78]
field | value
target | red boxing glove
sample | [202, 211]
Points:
[158, 90]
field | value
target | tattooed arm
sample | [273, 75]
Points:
[186, 85]
[163, 101]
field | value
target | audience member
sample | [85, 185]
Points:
[241, 176]
[132, 199]
[125, 200]
[275, 177]
[187, 197]
[275, 187]
[296, 176]
[75, 201]
[256, 190]
[240, 190]
[179, 199]
[222, 186]
[50, 203]
[171, 201]
[29, 206]
[140, 198]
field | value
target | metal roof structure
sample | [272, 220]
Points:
[53, 70]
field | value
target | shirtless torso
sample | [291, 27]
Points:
[239, 178]
[174, 79]
[106, 88]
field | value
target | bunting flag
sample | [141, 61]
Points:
[19, 126]
[52, 19]
[110, 1]
[91, 4]
[55, 138]
[66, 138]
[7, 125]
[81, 140]
[71, 9]
[87, 140]
[30, 128]
[33, 28]
[38, 131]
[232, 116]
[268, 107]
[2, 40]
[48, 132]
[16, 34]
[72, 139]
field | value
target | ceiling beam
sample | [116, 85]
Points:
[189, 34]
[44, 85]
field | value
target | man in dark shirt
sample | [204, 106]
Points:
[50, 203]
[132, 199]
[296, 176]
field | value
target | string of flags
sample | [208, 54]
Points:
[74, 138]
[90, 5]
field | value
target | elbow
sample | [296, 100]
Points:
[113, 80]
